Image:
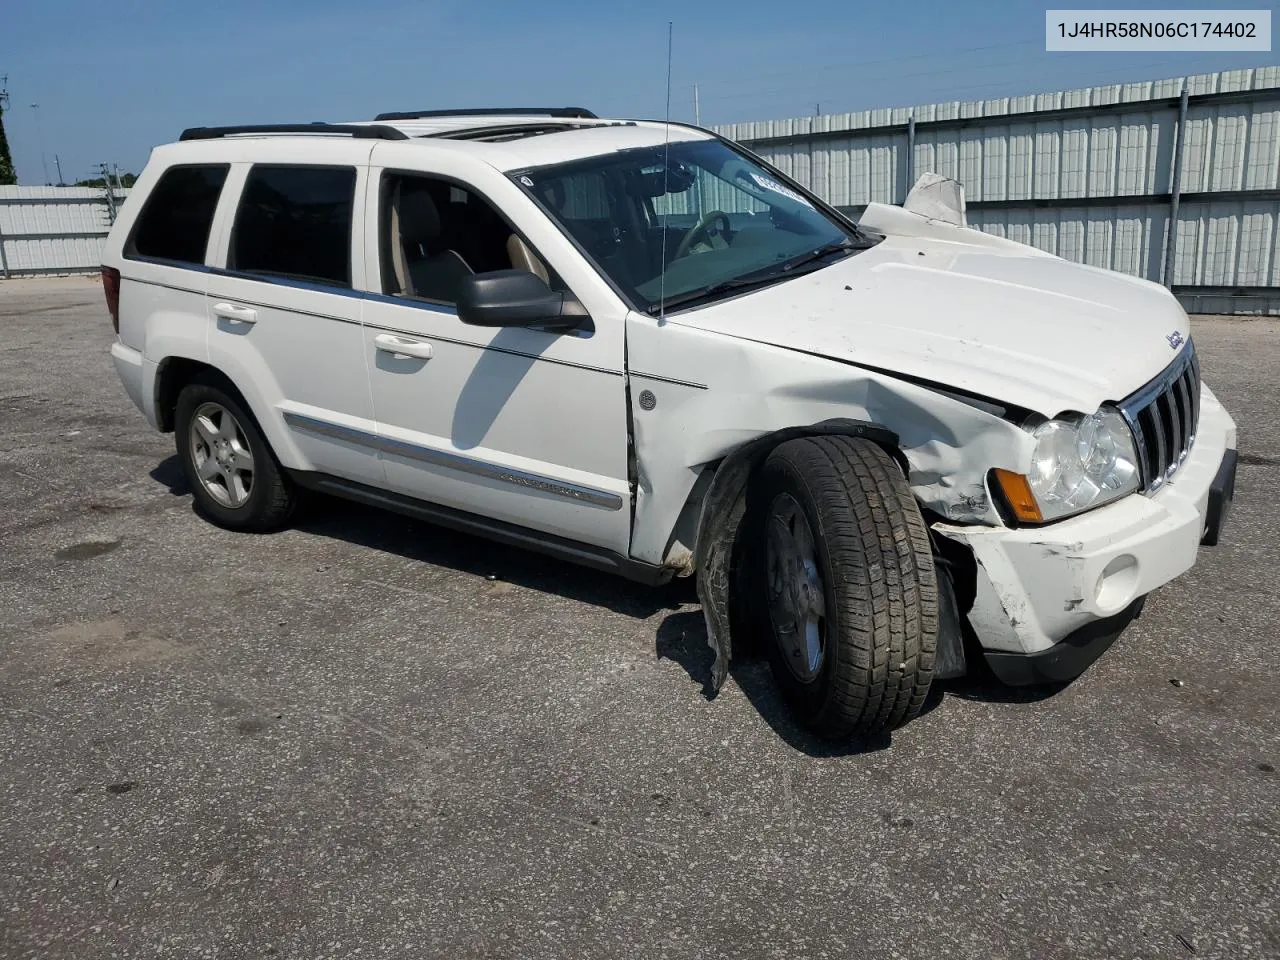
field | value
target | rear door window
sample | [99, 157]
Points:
[295, 222]
[175, 222]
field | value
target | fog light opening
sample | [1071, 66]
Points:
[1117, 584]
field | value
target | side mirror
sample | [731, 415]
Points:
[517, 298]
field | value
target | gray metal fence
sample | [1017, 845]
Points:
[52, 230]
[1094, 175]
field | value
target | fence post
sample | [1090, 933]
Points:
[813, 152]
[1175, 194]
[911, 154]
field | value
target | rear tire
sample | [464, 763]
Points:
[847, 589]
[234, 477]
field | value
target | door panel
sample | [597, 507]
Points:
[500, 428]
[518, 425]
[304, 352]
[295, 347]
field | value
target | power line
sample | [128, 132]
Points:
[830, 93]
[1106, 77]
[859, 65]
[808, 90]
[849, 64]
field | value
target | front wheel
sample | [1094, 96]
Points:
[846, 569]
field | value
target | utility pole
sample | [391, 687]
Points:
[57, 162]
[697, 112]
[111, 196]
[44, 163]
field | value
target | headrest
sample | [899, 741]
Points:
[419, 219]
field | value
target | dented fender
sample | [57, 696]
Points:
[707, 406]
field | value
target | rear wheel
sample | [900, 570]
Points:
[234, 477]
[848, 586]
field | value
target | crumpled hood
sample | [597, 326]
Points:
[1004, 322]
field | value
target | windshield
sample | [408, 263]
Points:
[718, 221]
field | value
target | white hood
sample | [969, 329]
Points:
[999, 320]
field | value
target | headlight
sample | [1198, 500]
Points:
[1078, 463]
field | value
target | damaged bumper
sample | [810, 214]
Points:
[1050, 599]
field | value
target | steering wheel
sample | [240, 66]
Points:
[702, 231]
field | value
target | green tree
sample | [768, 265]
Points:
[7, 174]
[126, 180]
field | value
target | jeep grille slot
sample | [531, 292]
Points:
[1164, 415]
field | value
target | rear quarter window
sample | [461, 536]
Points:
[176, 218]
[295, 222]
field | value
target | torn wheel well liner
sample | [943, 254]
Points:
[718, 551]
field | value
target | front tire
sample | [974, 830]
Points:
[233, 475]
[848, 588]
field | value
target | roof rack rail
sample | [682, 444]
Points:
[576, 113]
[359, 131]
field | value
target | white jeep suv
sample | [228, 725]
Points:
[637, 346]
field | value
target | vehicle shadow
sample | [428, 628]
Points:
[681, 637]
[418, 540]
[365, 526]
[169, 472]
[980, 685]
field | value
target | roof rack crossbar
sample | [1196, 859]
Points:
[577, 113]
[359, 131]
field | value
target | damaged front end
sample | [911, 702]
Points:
[722, 538]
[722, 403]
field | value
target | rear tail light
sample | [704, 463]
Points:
[111, 289]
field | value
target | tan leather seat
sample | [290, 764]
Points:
[433, 274]
[522, 258]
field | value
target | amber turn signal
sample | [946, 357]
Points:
[1017, 491]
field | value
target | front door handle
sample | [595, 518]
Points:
[400, 347]
[235, 313]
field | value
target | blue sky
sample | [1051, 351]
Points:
[111, 87]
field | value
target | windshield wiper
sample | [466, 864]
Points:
[773, 274]
[824, 251]
[712, 290]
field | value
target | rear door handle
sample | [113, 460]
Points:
[235, 313]
[400, 347]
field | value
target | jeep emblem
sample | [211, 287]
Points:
[1175, 339]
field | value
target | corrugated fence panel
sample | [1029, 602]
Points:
[1023, 162]
[1092, 185]
[53, 229]
[1228, 243]
[1118, 237]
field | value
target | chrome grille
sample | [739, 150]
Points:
[1164, 415]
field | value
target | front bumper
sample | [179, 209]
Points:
[1070, 582]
